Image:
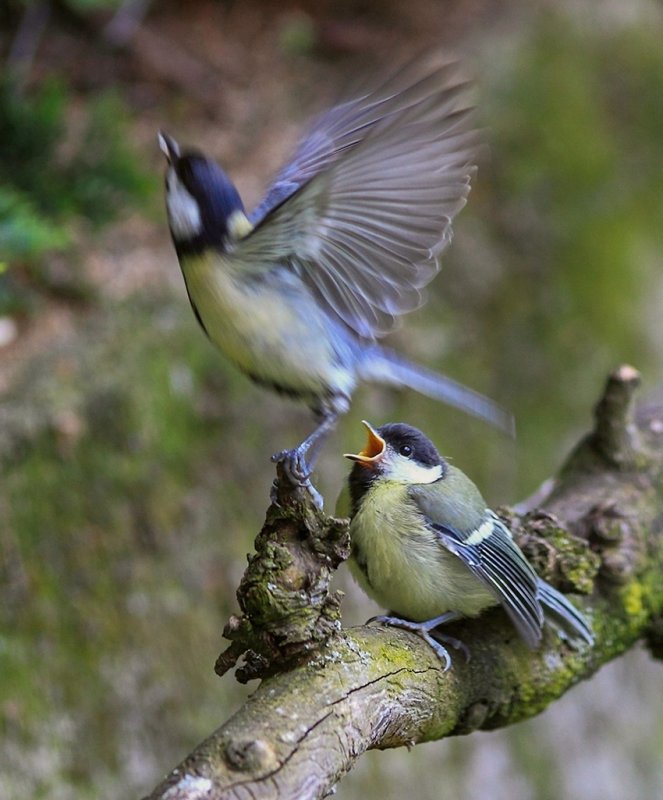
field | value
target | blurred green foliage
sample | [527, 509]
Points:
[25, 233]
[53, 179]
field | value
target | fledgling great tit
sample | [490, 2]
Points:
[425, 546]
[297, 293]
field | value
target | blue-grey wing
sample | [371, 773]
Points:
[491, 554]
[364, 208]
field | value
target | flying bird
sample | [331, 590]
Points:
[298, 293]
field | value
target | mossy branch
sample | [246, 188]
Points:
[332, 694]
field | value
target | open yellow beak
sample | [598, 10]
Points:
[374, 450]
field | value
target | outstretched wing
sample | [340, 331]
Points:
[490, 553]
[364, 208]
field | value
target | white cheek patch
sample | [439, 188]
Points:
[183, 211]
[406, 471]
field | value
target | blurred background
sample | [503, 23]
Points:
[134, 463]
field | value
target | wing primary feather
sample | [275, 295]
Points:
[514, 584]
[364, 209]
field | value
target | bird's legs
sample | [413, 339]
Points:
[427, 632]
[298, 463]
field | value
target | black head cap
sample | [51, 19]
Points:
[400, 439]
[215, 196]
[410, 442]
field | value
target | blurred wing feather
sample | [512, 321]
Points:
[364, 208]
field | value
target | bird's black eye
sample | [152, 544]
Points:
[405, 450]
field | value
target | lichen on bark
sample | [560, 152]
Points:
[288, 611]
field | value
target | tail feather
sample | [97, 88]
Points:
[385, 366]
[566, 618]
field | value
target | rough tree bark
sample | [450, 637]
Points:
[328, 695]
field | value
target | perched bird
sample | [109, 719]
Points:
[425, 545]
[297, 293]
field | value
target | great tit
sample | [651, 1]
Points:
[297, 292]
[425, 545]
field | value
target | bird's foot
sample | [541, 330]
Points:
[294, 465]
[426, 630]
[297, 472]
[452, 642]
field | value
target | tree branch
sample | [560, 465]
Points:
[343, 692]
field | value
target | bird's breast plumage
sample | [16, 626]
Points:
[267, 325]
[398, 561]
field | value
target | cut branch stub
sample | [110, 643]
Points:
[288, 611]
[615, 440]
[615, 434]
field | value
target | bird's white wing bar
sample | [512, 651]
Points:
[502, 568]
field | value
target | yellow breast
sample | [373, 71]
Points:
[398, 561]
[272, 332]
